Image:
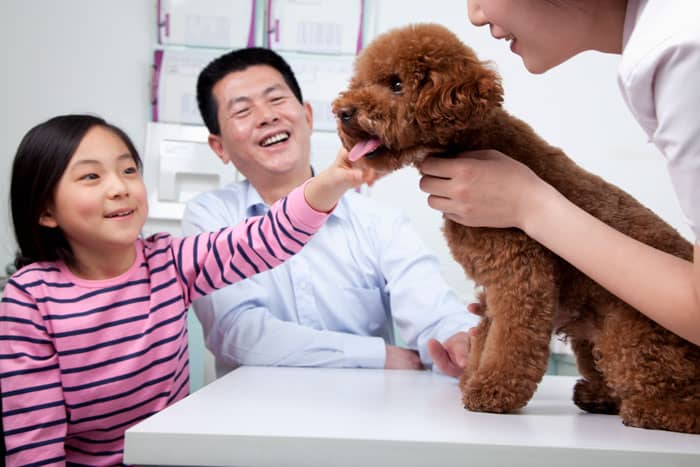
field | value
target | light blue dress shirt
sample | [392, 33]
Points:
[335, 303]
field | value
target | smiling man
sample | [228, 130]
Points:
[335, 303]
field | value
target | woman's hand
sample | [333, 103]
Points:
[482, 189]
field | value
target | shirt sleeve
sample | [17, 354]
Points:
[240, 328]
[33, 406]
[676, 96]
[211, 260]
[423, 305]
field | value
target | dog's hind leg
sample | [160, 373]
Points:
[655, 373]
[516, 346]
[591, 392]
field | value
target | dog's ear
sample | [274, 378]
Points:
[460, 95]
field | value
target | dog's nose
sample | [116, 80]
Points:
[346, 113]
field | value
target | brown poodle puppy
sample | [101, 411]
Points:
[419, 90]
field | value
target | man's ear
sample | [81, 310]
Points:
[217, 146]
[309, 111]
[46, 219]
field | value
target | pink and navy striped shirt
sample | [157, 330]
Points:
[81, 361]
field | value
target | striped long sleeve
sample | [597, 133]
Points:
[265, 241]
[81, 361]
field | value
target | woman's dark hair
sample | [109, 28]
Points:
[41, 159]
[237, 60]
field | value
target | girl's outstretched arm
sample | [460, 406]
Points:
[212, 260]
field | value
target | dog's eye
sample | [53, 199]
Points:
[396, 85]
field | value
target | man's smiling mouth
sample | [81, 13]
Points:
[274, 139]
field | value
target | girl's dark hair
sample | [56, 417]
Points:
[41, 159]
[237, 60]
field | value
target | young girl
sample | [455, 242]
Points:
[660, 46]
[93, 330]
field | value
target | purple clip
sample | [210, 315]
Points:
[251, 29]
[160, 40]
[167, 25]
[163, 24]
[155, 77]
[360, 38]
[270, 29]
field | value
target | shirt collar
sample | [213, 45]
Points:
[632, 14]
[255, 206]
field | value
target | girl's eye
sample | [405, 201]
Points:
[396, 85]
[89, 177]
[131, 170]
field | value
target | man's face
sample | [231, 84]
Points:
[265, 130]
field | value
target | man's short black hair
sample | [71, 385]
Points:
[237, 60]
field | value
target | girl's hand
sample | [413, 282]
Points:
[326, 188]
[483, 189]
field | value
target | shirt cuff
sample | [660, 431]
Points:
[364, 351]
[301, 211]
[457, 323]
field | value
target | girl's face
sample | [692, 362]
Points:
[100, 202]
[543, 33]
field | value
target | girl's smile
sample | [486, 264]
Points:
[120, 214]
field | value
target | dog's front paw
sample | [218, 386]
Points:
[495, 395]
[673, 415]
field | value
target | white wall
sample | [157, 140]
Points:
[94, 56]
[86, 56]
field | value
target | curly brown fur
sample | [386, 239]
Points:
[420, 91]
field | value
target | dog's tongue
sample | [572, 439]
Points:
[363, 148]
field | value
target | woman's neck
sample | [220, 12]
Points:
[609, 25]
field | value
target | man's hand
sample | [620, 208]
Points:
[450, 357]
[398, 358]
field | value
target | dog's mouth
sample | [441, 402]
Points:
[368, 149]
[385, 158]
